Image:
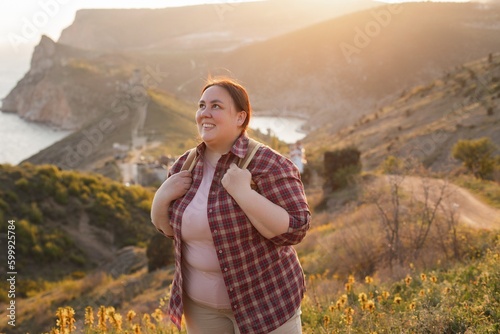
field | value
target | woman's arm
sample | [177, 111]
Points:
[268, 218]
[173, 187]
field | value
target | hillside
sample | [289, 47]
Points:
[331, 72]
[335, 251]
[68, 221]
[202, 28]
[135, 121]
[425, 121]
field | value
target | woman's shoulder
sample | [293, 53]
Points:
[272, 159]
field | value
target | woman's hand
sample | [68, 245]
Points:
[176, 185]
[173, 188]
[236, 180]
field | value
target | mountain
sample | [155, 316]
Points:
[425, 121]
[333, 71]
[341, 68]
[338, 70]
[65, 86]
[201, 28]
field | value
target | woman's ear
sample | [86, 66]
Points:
[242, 115]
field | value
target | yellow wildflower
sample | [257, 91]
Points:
[408, 280]
[137, 329]
[131, 315]
[362, 298]
[422, 293]
[434, 279]
[343, 299]
[348, 287]
[368, 280]
[101, 319]
[157, 315]
[370, 305]
[397, 300]
[423, 277]
[89, 316]
[412, 305]
[326, 321]
[351, 279]
[349, 312]
[349, 319]
[385, 294]
[146, 320]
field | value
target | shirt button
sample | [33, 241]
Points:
[210, 210]
[215, 231]
[231, 289]
[213, 192]
[220, 252]
[225, 269]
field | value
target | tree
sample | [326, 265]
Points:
[340, 167]
[477, 156]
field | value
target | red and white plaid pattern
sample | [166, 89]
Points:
[264, 278]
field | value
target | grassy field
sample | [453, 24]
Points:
[462, 299]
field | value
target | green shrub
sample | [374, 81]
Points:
[477, 156]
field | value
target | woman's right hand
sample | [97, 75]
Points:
[175, 186]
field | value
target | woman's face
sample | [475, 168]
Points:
[219, 123]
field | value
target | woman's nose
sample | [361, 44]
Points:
[205, 112]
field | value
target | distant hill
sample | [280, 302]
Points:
[341, 68]
[424, 122]
[335, 71]
[201, 28]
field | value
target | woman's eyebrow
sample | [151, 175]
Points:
[216, 101]
[212, 102]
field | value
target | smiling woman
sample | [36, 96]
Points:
[238, 272]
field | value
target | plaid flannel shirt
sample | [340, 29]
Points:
[263, 277]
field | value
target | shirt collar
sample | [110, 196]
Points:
[239, 147]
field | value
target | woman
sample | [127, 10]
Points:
[235, 268]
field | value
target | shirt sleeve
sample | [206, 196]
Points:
[281, 185]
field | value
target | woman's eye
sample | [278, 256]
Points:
[216, 106]
[201, 106]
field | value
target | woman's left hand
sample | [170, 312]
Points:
[236, 179]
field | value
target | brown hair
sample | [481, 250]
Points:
[237, 92]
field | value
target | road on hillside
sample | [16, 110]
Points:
[470, 210]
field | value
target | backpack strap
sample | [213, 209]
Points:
[253, 146]
[190, 160]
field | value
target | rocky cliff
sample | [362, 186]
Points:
[65, 86]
